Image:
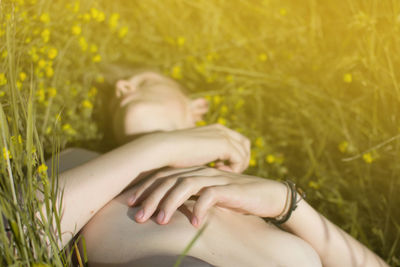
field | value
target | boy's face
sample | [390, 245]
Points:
[150, 102]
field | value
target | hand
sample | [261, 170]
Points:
[201, 145]
[168, 190]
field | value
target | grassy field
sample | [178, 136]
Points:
[315, 85]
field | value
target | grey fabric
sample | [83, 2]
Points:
[71, 158]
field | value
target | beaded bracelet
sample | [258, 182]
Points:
[292, 191]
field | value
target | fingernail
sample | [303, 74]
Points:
[160, 216]
[131, 201]
[139, 214]
[195, 221]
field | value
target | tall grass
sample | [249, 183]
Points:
[313, 84]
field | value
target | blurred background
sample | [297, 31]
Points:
[314, 84]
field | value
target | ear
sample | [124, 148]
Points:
[199, 107]
[121, 88]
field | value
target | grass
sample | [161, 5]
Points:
[313, 85]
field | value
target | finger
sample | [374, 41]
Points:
[188, 187]
[166, 173]
[208, 198]
[150, 204]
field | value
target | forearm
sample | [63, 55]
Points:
[89, 187]
[334, 246]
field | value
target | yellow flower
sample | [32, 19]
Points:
[176, 72]
[217, 99]
[2, 93]
[259, 142]
[19, 139]
[68, 129]
[229, 78]
[270, 158]
[92, 92]
[76, 29]
[45, 18]
[123, 32]
[3, 79]
[113, 21]
[347, 78]
[367, 157]
[19, 85]
[87, 104]
[40, 95]
[224, 109]
[45, 35]
[180, 41]
[52, 92]
[28, 40]
[263, 57]
[201, 123]
[49, 72]
[42, 169]
[283, 12]
[76, 7]
[83, 44]
[52, 53]
[343, 146]
[221, 121]
[4, 54]
[253, 161]
[86, 17]
[42, 63]
[313, 185]
[96, 58]
[22, 76]
[6, 153]
[94, 12]
[93, 48]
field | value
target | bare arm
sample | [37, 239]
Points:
[89, 187]
[256, 196]
[335, 246]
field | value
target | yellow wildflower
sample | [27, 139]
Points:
[343, 146]
[19, 139]
[221, 121]
[270, 158]
[217, 99]
[253, 161]
[22, 76]
[83, 44]
[42, 169]
[49, 71]
[201, 123]
[259, 142]
[347, 78]
[86, 17]
[48, 130]
[28, 40]
[123, 32]
[19, 85]
[6, 153]
[92, 92]
[42, 63]
[68, 129]
[52, 53]
[76, 7]
[40, 95]
[94, 12]
[87, 104]
[45, 35]
[283, 11]
[313, 185]
[113, 21]
[93, 48]
[76, 29]
[211, 164]
[263, 57]
[367, 157]
[224, 109]
[176, 72]
[52, 92]
[180, 41]
[229, 78]
[96, 58]
[3, 79]
[4, 54]
[45, 18]
[2, 93]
